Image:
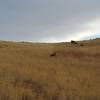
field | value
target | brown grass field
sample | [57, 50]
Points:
[28, 72]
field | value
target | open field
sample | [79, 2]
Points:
[28, 72]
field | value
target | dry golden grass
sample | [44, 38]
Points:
[28, 72]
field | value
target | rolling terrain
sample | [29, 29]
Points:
[28, 71]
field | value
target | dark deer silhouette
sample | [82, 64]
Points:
[53, 54]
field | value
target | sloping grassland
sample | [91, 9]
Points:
[29, 72]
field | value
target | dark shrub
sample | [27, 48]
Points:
[73, 42]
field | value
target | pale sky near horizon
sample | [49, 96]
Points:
[49, 20]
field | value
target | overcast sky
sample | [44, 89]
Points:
[49, 20]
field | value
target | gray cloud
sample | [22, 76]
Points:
[42, 20]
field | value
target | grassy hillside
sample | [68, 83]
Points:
[29, 72]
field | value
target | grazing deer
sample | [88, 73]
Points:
[53, 54]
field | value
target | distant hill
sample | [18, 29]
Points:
[50, 71]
